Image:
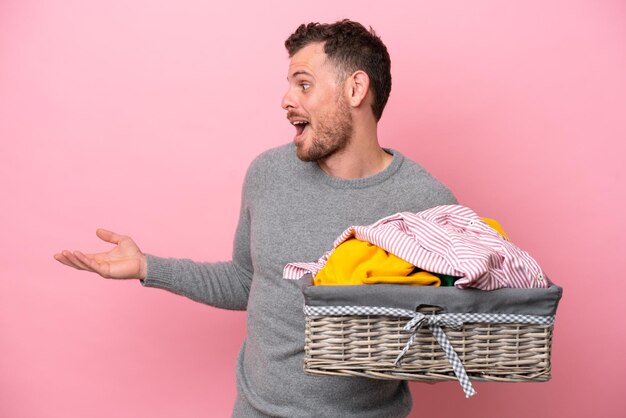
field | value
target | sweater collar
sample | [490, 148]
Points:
[360, 183]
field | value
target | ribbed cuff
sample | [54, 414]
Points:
[159, 273]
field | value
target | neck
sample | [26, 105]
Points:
[362, 157]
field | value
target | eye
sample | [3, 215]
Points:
[305, 86]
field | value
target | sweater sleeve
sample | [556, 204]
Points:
[220, 284]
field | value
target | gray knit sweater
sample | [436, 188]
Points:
[293, 211]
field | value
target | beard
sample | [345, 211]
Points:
[332, 133]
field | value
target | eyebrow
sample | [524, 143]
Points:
[299, 72]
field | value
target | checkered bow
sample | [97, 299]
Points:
[435, 322]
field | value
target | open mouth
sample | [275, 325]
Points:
[300, 126]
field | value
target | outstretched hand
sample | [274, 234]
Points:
[124, 261]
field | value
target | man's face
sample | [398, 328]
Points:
[316, 105]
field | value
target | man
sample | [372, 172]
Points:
[296, 200]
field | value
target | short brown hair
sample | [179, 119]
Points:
[351, 47]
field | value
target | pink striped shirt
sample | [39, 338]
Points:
[450, 239]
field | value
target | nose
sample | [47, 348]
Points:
[288, 102]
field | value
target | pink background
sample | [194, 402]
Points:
[142, 116]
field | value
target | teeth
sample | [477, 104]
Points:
[299, 122]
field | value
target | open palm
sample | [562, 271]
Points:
[124, 261]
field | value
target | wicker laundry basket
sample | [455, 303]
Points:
[429, 334]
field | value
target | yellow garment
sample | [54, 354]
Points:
[360, 262]
[496, 225]
[419, 278]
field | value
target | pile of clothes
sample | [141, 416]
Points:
[446, 245]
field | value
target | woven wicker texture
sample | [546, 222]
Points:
[368, 345]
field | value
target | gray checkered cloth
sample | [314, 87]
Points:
[434, 322]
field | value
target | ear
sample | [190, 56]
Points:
[357, 85]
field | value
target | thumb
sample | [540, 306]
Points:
[109, 236]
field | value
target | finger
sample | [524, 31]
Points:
[63, 260]
[90, 263]
[76, 263]
[109, 236]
